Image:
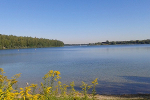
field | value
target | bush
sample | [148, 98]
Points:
[47, 90]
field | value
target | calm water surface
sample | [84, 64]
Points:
[120, 69]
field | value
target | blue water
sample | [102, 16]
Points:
[120, 69]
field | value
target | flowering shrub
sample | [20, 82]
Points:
[47, 90]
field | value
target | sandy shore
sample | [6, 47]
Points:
[124, 97]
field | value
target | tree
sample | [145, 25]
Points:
[107, 42]
[11, 42]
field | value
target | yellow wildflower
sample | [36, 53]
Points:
[57, 72]
[53, 74]
[59, 82]
[51, 71]
[48, 89]
[35, 97]
[33, 85]
[95, 81]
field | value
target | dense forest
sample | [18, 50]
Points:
[122, 42]
[16, 42]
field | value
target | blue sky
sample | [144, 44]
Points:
[76, 21]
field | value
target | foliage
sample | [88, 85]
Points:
[123, 42]
[85, 89]
[94, 83]
[14, 42]
[47, 90]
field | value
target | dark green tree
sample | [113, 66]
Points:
[14, 42]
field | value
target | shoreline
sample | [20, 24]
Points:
[123, 97]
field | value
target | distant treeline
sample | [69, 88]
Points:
[122, 42]
[15, 42]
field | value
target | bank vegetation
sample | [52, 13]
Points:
[16, 42]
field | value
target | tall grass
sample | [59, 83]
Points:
[47, 90]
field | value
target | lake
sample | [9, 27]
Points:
[120, 69]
